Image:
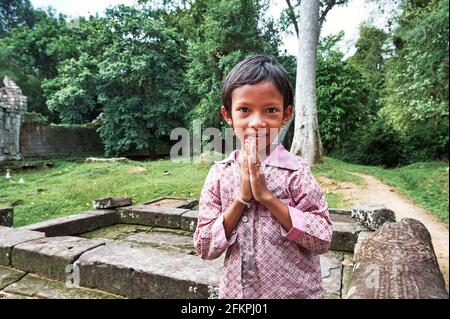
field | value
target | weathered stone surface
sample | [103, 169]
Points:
[347, 273]
[373, 216]
[9, 275]
[150, 215]
[189, 220]
[5, 295]
[12, 106]
[51, 256]
[362, 236]
[338, 211]
[138, 272]
[6, 216]
[117, 231]
[338, 215]
[34, 286]
[163, 240]
[166, 238]
[9, 237]
[111, 202]
[330, 266]
[76, 224]
[173, 202]
[345, 236]
[397, 262]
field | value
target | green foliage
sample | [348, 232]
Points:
[14, 13]
[227, 31]
[140, 81]
[416, 102]
[369, 59]
[72, 94]
[31, 55]
[341, 95]
[378, 144]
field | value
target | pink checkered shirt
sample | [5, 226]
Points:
[262, 259]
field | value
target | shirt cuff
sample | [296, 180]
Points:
[219, 239]
[298, 224]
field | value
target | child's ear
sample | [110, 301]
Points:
[226, 116]
[287, 113]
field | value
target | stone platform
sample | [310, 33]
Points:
[139, 251]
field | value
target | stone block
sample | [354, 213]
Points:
[51, 257]
[189, 220]
[373, 216]
[150, 215]
[76, 224]
[162, 240]
[6, 216]
[9, 237]
[9, 275]
[143, 272]
[330, 267]
[173, 202]
[111, 202]
[345, 236]
[43, 288]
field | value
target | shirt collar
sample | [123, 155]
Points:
[279, 157]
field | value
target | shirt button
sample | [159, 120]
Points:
[244, 219]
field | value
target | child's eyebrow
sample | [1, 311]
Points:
[273, 103]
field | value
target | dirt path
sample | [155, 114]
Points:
[376, 192]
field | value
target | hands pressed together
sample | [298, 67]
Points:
[253, 183]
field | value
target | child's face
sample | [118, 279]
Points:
[257, 113]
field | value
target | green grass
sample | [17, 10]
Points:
[426, 184]
[70, 186]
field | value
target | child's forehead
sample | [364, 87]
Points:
[260, 90]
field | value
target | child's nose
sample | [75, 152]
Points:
[257, 121]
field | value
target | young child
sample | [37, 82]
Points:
[262, 205]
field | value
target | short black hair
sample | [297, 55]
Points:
[255, 69]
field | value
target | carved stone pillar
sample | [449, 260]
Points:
[397, 262]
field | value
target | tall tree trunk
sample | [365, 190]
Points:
[306, 142]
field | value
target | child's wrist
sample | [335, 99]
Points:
[266, 198]
[243, 201]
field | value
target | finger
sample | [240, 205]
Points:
[252, 159]
[244, 169]
[253, 152]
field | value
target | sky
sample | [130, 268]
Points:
[345, 19]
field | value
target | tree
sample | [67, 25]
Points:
[306, 141]
[38, 51]
[416, 101]
[342, 92]
[15, 13]
[221, 34]
[140, 81]
[369, 59]
[72, 93]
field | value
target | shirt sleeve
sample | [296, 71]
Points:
[209, 237]
[311, 224]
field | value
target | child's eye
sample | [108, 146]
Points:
[271, 110]
[243, 109]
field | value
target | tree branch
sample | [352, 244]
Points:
[329, 6]
[291, 14]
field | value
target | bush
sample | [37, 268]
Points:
[376, 145]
